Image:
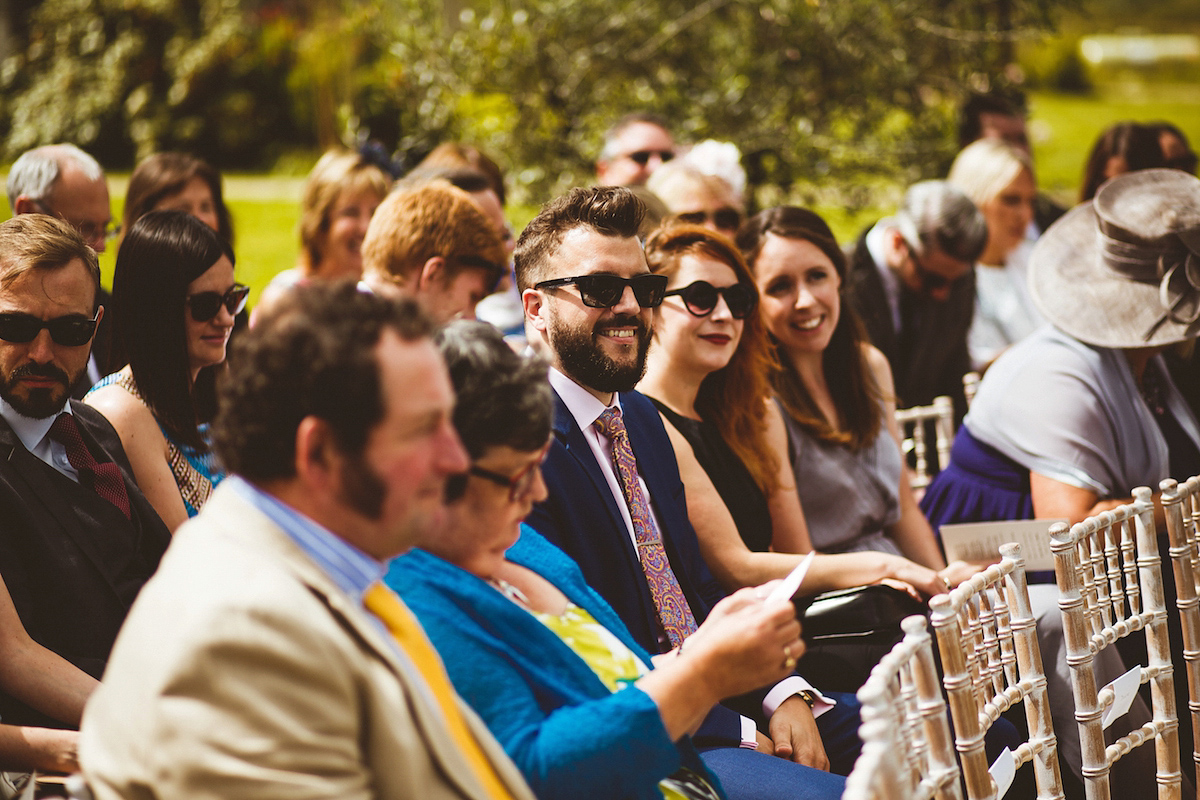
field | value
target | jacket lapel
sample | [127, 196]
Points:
[567, 431]
[360, 625]
[39, 478]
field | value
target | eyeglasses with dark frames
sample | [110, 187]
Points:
[90, 231]
[605, 291]
[700, 298]
[74, 330]
[520, 486]
[206, 305]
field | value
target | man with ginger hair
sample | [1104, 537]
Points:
[433, 242]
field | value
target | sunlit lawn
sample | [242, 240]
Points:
[266, 207]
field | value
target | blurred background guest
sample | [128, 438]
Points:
[696, 198]
[340, 196]
[177, 182]
[1121, 147]
[999, 179]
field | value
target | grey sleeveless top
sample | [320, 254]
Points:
[849, 497]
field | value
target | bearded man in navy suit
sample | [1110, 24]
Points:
[589, 298]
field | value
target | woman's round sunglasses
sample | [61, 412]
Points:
[701, 298]
[206, 305]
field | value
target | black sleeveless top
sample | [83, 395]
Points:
[746, 502]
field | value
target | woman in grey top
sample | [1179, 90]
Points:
[837, 395]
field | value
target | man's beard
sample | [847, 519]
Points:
[583, 359]
[361, 489]
[38, 403]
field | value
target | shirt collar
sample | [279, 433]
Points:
[350, 568]
[582, 404]
[30, 431]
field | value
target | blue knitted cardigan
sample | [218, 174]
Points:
[567, 733]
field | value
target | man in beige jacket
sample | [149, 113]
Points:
[264, 659]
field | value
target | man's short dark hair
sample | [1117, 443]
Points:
[39, 241]
[1009, 103]
[608, 210]
[311, 354]
[502, 398]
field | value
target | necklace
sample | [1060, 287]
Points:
[508, 590]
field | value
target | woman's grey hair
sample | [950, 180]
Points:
[34, 173]
[936, 215]
[503, 398]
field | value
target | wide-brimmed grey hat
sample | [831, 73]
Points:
[1124, 270]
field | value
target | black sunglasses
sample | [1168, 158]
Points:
[206, 305]
[701, 298]
[727, 219]
[70, 331]
[605, 291]
[642, 157]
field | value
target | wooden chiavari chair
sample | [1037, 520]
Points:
[1110, 584]
[1181, 505]
[991, 661]
[912, 423]
[907, 751]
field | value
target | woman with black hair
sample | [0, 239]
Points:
[174, 302]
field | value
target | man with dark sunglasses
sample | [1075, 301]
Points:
[615, 501]
[634, 148]
[77, 537]
[911, 280]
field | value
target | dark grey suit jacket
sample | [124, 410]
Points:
[72, 562]
[928, 355]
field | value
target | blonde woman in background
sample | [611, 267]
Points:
[999, 179]
[340, 197]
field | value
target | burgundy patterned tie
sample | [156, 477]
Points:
[104, 479]
[674, 613]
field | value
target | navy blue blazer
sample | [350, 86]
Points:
[581, 517]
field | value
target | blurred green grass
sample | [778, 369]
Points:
[1064, 127]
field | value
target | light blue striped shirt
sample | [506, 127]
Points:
[350, 568]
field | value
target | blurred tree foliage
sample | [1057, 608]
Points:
[809, 89]
[855, 90]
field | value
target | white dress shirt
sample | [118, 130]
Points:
[586, 409]
[34, 434]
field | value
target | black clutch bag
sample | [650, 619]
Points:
[848, 631]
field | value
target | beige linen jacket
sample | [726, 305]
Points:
[244, 671]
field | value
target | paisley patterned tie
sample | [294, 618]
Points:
[674, 614]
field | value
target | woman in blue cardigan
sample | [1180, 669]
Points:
[541, 657]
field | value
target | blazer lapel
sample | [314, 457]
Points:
[37, 476]
[567, 431]
[358, 623]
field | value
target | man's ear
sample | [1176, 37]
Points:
[534, 305]
[317, 456]
[26, 205]
[896, 248]
[433, 274]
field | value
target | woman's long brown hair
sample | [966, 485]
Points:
[731, 398]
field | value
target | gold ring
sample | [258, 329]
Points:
[788, 661]
[946, 581]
